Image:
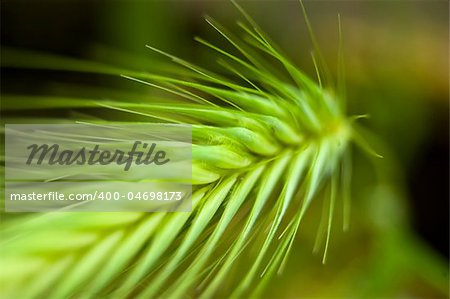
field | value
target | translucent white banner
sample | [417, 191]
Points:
[132, 167]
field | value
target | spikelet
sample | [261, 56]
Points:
[263, 148]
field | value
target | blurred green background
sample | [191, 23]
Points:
[397, 63]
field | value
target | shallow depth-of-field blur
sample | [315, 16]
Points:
[396, 59]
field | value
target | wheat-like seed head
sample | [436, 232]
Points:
[263, 148]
